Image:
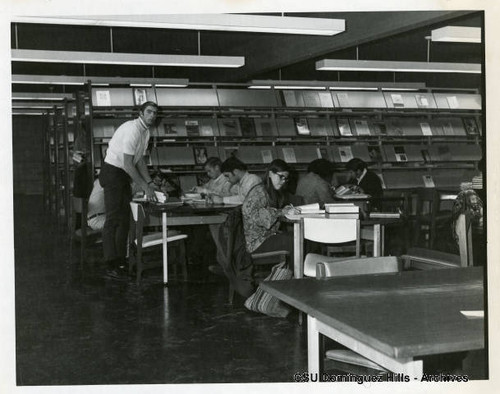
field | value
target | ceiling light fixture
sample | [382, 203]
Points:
[217, 22]
[335, 85]
[41, 96]
[457, 34]
[29, 55]
[97, 81]
[396, 66]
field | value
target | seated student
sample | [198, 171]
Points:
[367, 181]
[262, 208]
[166, 185]
[218, 183]
[236, 173]
[316, 186]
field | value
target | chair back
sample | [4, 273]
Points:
[137, 211]
[357, 266]
[330, 231]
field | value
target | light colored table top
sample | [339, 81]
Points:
[407, 314]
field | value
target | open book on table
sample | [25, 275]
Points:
[346, 192]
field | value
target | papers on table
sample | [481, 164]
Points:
[473, 314]
[310, 208]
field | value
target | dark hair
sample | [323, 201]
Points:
[321, 167]
[277, 198]
[213, 161]
[356, 164]
[232, 164]
[148, 104]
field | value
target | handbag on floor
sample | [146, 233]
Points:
[263, 302]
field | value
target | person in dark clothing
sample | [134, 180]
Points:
[367, 181]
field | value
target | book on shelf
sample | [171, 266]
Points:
[379, 128]
[302, 127]
[426, 128]
[200, 155]
[422, 101]
[428, 181]
[400, 153]
[206, 130]
[362, 127]
[344, 127]
[247, 127]
[103, 98]
[345, 153]
[192, 128]
[452, 102]
[375, 154]
[470, 126]
[322, 153]
[289, 155]
[397, 100]
[444, 152]
[230, 127]
[170, 128]
[290, 98]
[267, 156]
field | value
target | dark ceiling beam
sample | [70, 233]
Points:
[271, 53]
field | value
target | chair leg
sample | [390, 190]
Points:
[231, 295]
[138, 263]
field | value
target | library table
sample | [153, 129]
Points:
[371, 229]
[184, 215]
[391, 319]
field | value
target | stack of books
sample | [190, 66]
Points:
[342, 211]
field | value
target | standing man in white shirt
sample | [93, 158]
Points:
[124, 163]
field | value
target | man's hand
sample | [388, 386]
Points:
[150, 192]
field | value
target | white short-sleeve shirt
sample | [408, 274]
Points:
[130, 138]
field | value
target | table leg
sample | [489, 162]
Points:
[377, 240]
[164, 238]
[298, 251]
[313, 347]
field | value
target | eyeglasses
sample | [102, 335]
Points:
[282, 177]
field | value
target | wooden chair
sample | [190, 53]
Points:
[142, 241]
[420, 258]
[84, 234]
[329, 231]
[345, 359]
[428, 216]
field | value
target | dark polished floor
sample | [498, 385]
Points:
[73, 327]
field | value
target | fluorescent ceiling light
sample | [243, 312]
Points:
[374, 65]
[335, 85]
[457, 34]
[218, 22]
[96, 81]
[142, 59]
[41, 96]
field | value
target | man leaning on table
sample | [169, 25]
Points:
[236, 173]
[124, 163]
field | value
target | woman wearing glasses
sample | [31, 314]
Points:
[262, 209]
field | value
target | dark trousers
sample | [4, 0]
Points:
[280, 241]
[117, 196]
